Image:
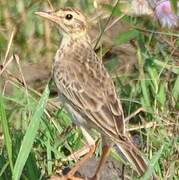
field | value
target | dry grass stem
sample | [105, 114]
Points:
[75, 156]
[134, 113]
[148, 125]
[6, 65]
[9, 45]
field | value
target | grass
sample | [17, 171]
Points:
[37, 136]
[30, 134]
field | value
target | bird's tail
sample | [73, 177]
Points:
[134, 157]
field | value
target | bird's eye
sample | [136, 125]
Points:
[68, 16]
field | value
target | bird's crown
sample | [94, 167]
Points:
[70, 20]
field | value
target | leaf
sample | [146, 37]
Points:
[145, 99]
[103, 51]
[154, 77]
[174, 5]
[114, 10]
[32, 169]
[116, 156]
[5, 128]
[175, 90]
[173, 68]
[30, 134]
[126, 36]
[161, 96]
[152, 164]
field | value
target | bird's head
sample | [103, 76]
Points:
[69, 20]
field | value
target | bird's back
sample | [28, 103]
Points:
[83, 80]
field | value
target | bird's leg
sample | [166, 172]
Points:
[78, 165]
[91, 142]
[105, 153]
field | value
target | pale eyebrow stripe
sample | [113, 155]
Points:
[70, 9]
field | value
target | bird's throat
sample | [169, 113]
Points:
[73, 48]
[69, 41]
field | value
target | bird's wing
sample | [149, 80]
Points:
[88, 86]
[92, 91]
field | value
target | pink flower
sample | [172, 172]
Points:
[165, 15]
[140, 7]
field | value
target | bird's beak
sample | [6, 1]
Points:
[48, 15]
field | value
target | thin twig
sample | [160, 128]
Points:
[9, 45]
[148, 125]
[134, 113]
[19, 83]
[78, 154]
[5, 65]
[108, 20]
[50, 4]
[114, 22]
[21, 73]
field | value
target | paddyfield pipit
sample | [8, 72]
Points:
[87, 90]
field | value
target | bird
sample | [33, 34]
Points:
[87, 91]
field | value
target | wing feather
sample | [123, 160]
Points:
[90, 88]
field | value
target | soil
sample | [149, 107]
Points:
[111, 170]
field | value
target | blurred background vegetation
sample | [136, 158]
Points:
[142, 57]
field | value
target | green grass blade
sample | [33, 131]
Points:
[33, 171]
[126, 36]
[5, 128]
[174, 5]
[143, 83]
[172, 68]
[49, 156]
[175, 91]
[161, 96]
[29, 137]
[152, 164]
[116, 156]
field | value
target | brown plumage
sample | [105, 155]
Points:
[86, 88]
